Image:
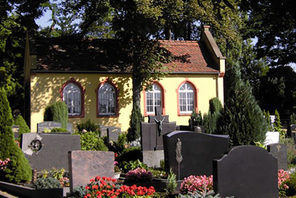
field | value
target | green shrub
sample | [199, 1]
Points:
[23, 127]
[267, 118]
[210, 119]
[172, 183]
[242, 118]
[119, 145]
[88, 126]
[277, 123]
[46, 183]
[132, 165]
[57, 112]
[195, 120]
[91, 142]
[130, 154]
[58, 130]
[135, 124]
[19, 169]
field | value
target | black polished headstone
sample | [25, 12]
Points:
[279, 151]
[190, 153]
[46, 151]
[246, 171]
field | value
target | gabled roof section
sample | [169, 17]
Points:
[189, 57]
[70, 54]
[76, 55]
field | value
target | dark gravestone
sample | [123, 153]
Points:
[84, 165]
[113, 133]
[158, 116]
[48, 125]
[151, 138]
[247, 171]
[46, 151]
[189, 153]
[279, 151]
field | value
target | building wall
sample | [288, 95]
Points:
[45, 89]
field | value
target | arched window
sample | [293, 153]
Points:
[186, 98]
[73, 98]
[153, 98]
[106, 100]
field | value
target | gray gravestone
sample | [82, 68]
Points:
[279, 151]
[103, 130]
[247, 171]
[113, 133]
[48, 125]
[190, 153]
[153, 158]
[84, 165]
[46, 151]
[293, 128]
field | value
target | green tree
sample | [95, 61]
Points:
[16, 17]
[273, 23]
[19, 169]
[242, 118]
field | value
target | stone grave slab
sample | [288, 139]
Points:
[246, 171]
[113, 133]
[46, 151]
[279, 151]
[153, 158]
[48, 125]
[190, 153]
[84, 165]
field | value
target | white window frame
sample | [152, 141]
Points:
[107, 97]
[155, 90]
[188, 91]
[72, 98]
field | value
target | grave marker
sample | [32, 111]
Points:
[84, 165]
[190, 153]
[246, 171]
[279, 151]
[48, 125]
[46, 151]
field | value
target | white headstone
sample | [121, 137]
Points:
[272, 138]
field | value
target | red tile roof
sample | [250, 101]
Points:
[57, 54]
[192, 57]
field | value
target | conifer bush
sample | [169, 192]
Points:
[18, 170]
[135, 124]
[210, 119]
[242, 117]
[58, 112]
[23, 127]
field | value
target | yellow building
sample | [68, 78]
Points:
[84, 74]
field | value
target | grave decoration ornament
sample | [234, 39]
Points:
[179, 157]
[35, 145]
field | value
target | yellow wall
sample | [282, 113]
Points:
[45, 89]
[206, 89]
